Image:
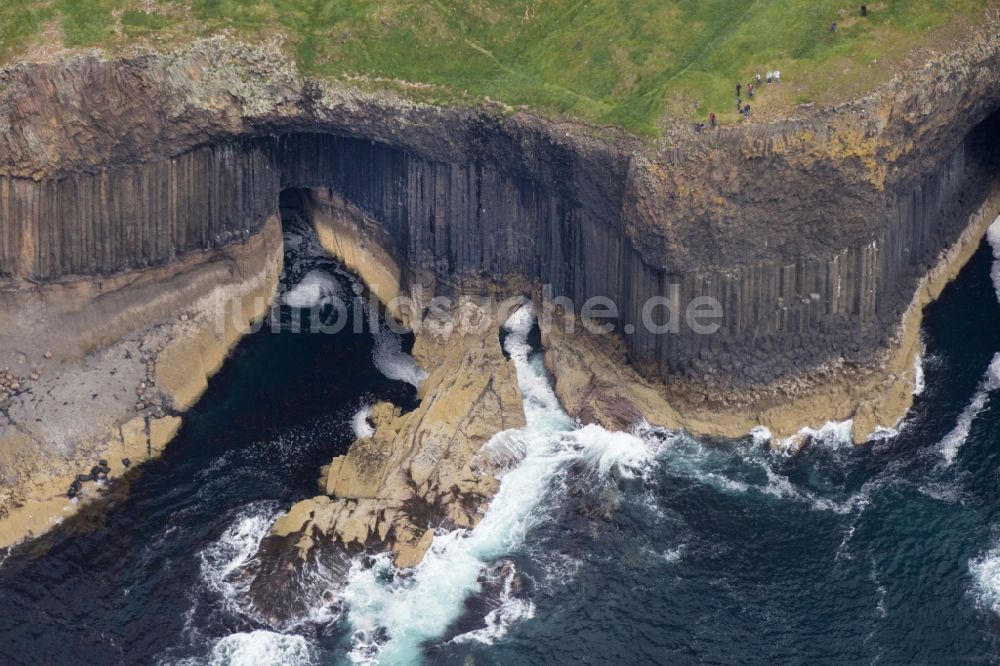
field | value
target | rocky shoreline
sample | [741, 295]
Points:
[120, 402]
[138, 198]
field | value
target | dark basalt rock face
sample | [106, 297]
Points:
[811, 233]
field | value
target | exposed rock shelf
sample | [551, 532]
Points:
[814, 233]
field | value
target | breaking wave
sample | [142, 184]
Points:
[919, 381]
[832, 433]
[985, 572]
[228, 554]
[262, 648]
[753, 467]
[393, 614]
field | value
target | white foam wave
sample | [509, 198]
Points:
[315, 288]
[503, 452]
[233, 549]
[882, 433]
[746, 468]
[420, 605]
[673, 555]
[985, 572]
[919, 381]
[359, 422]
[832, 433]
[993, 237]
[779, 485]
[760, 435]
[558, 568]
[393, 362]
[954, 440]
[262, 648]
[510, 610]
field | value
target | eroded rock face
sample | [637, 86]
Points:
[416, 473]
[127, 355]
[812, 232]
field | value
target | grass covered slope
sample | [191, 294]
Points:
[638, 64]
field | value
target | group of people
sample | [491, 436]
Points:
[771, 77]
[744, 108]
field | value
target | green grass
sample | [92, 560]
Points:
[20, 21]
[638, 64]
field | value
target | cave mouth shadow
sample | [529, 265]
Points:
[984, 143]
[293, 199]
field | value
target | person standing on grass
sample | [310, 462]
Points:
[770, 75]
[750, 90]
[711, 118]
[739, 89]
[777, 76]
[758, 79]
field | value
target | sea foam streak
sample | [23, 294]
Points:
[414, 608]
[991, 379]
[953, 441]
[919, 381]
[993, 237]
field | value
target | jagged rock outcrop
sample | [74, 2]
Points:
[813, 233]
[416, 472]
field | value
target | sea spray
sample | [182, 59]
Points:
[359, 423]
[316, 288]
[832, 433]
[223, 559]
[394, 613]
[985, 572]
[393, 362]
[919, 378]
[262, 648]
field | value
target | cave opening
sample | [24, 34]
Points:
[984, 145]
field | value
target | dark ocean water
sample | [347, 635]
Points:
[642, 548]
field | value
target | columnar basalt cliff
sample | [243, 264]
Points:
[813, 233]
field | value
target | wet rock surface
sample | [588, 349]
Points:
[81, 408]
[414, 475]
[812, 233]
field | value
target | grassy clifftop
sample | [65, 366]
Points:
[638, 64]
